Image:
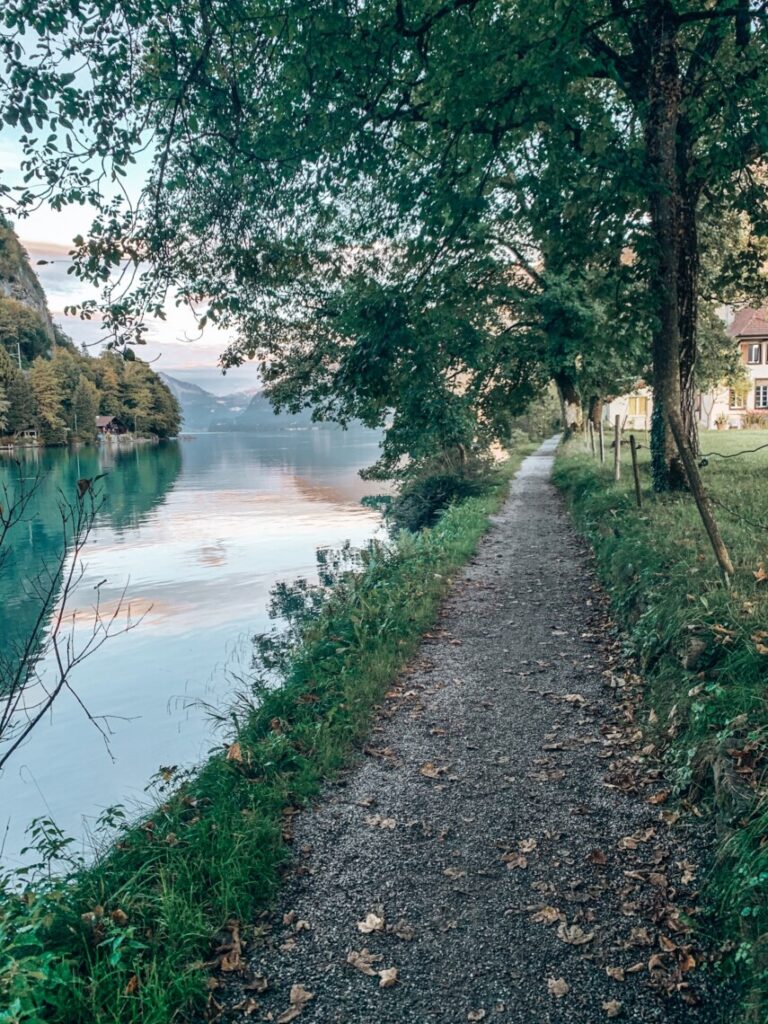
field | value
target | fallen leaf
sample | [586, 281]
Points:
[515, 860]
[659, 798]
[454, 873]
[612, 1008]
[527, 845]
[257, 984]
[597, 857]
[476, 1015]
[132, 987]
[573, 934]
[388, 977]
[574, 698]
[558, 987]
[617, 973]
[235, 752]
[431, 771]
[547, 915]
[403, 930]
[375, 821]
[364, 960]
[371, 923]
[298, 999]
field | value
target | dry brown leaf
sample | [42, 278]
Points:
[257, 984]
[476, 1014]
[298, 999]
[612, 1008]
[388, 977]
[574, 698]
[597, 857]
[371, 923]
[431, 771]
[558, 987]
[658, 798]
[132, 987]
[403, 930]
[376, 821]
[515, 860]
[527, 845]
[573, 934]
[235, 752]
[364, 960]
[617, 973]
[547, 915]
[454, 873]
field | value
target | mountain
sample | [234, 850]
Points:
[241, 411]
[201, 410]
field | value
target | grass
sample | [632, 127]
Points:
[126, 939]
[704, 650]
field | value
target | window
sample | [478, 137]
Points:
[761, 394]
[638, 405]
[737, 399]
[755, 353]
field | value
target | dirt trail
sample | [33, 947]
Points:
[480, 826]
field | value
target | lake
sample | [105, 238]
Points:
[197, 530]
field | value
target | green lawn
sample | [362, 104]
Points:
[704, 650]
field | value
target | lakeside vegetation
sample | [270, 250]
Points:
[703, 649]
[127, 939]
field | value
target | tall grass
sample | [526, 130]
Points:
[704, 650]
[126, 939]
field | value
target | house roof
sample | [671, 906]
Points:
[104, 421]
[750, 323]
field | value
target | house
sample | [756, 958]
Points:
[731, 407]
[108, 425]
[721, 407]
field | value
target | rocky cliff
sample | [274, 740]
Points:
[17, 278]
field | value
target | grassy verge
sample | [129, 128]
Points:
[704, 650]
[126, 939]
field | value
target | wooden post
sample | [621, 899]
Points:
[591, 428]
[702, 501]
[635, 471]
[601, 432]
[617, 449]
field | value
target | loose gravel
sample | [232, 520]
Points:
[498, 826]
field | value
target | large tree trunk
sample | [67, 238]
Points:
[570, 403]
[661, 144]
[688, 298]
[595, 411]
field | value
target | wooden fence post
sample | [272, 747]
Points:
[617, 449]
[591, 428]
[601, 432]
[635, 471]
[700, 495]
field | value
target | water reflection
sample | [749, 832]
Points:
[200, 529]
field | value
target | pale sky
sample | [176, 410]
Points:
[47, 235]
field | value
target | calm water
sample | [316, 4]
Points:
[199, 530]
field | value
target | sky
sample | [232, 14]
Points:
[47, 235]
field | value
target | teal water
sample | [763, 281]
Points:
[196, 532]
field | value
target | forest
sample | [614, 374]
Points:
[50, 387]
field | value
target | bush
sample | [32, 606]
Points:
[430, 488]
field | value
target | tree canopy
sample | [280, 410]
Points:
[417, 213]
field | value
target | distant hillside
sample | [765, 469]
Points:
[203, 411]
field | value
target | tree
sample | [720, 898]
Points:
[85, 407]
[22, 326]
[376, 125]
[48, 398]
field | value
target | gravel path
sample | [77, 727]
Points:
[511, 844]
